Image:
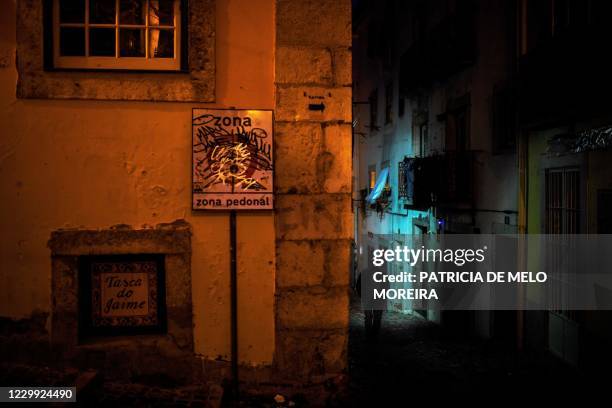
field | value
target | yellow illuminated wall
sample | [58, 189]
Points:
[94, 164]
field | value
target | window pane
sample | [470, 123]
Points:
[102, 42]
[161, 12]
[72, 41]
[102, 11]
[132, 42]
[72, 11]
[132, 11]
[161, 43]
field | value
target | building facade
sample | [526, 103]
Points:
[489, 121]
[96, 160]
[428, 77]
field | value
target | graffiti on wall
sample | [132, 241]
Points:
[232, 159]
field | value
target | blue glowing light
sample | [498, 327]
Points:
[381, 181]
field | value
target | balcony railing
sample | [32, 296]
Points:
[445, 179]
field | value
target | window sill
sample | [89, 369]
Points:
[197, 84]
[119, 70]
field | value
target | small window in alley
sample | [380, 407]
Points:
[371, 177]
[604, 218]
[117, 34]
[458, 124]
[374, 110]
[422, 140]
[388, 103]
[419, 133]
[562, 202]
[462, 130]
[504, 119]
[562, 211]
[402, 178]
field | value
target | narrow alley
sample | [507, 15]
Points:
[414, 359]
[305, 203]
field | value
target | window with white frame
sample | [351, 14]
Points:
[117, 34]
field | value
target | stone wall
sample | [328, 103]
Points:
[313, 182]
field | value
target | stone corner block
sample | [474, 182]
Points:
[305, 354]
[311, 158]
[303, 65]
[312, 103]
[319, 216]
[343, 68]
[314, 22]
[313, 308]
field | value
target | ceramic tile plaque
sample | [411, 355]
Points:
[122, 294]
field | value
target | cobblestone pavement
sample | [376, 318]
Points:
[411, 361]
[136, 395]
[414, 360]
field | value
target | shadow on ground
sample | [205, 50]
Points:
[414, 360]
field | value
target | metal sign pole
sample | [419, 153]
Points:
[234, 305]
[232, 169]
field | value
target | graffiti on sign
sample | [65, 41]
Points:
[232, 159]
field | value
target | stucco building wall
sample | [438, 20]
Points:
[93, 164]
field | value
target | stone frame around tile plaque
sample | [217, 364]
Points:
[125, 354]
